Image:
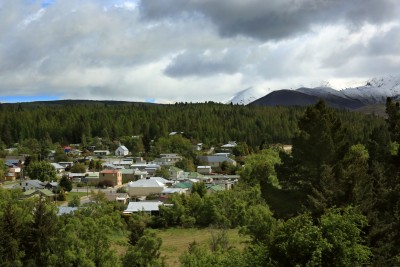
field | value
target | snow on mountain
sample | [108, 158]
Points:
[376, 90]
[246, 96]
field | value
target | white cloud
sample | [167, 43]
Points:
[191, 50]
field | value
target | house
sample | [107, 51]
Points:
[39, 192]
[171, 158]
[128, 175]
[216, 160]
[146, 187]
[52, 186]
[31, 185]
[184, 185]
[204, 169]
[66, 164]
[112, 177]
[16, 160]
[192, 175]
[125, 163]
[229, 146]
[121, 151]
[198, 147]
[175, 173]
[151, 207]
[59, 168]
[152, 168]
[170, 191]
[140, 174]
[76, 177]
[13, 173]
[92, 178]
[75, 152]
[117, 197]
[214, 188]
[101, 153]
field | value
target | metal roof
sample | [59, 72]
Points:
[148, 206]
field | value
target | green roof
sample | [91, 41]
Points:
[44, 192]
[184, 185]
[173, 168]
[29, 192]
[216, 188]
[193, 175]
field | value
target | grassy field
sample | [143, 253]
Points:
[176, 241]
[71, 194]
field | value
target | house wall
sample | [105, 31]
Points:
[144, 191]
[114, 178]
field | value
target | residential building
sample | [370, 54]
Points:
[145, 187]
[151, 207]
[216, 160]
[204, 169]
[121, 151]
[113, 177]
[101, 153]
[175, 173]
[31, 184]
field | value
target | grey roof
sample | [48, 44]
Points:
[57, 166]
[172, 190]
[36, 183]
[216, 158]
[146, 183]
[143, 206]
[123, 148]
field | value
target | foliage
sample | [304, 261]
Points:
[146, 252]
[78, 168]
[163, 172]
[66, 183]
[41, 170]
[335, 241]
[3, 170]
[75, 201]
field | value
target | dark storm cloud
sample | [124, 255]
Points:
[274, 19]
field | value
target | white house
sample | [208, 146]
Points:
[146, 206]
[145, 187]
[204, 169]
[121, 151]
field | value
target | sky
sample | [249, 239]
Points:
[167, 51]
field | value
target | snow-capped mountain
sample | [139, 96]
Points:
[246, 96]
[374, 91]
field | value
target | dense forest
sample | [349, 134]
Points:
[333, 201]
[74, 122]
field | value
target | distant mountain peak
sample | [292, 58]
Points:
[246, 96]
[374, 91]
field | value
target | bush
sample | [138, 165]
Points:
[104, 184]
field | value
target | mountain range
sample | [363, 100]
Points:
[375, 91]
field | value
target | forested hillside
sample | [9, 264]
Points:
[210, 123]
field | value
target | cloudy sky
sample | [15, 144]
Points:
[191, 50]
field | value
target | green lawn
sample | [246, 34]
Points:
[177, 240]
[71, 194]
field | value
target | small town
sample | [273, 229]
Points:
[137, 184]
